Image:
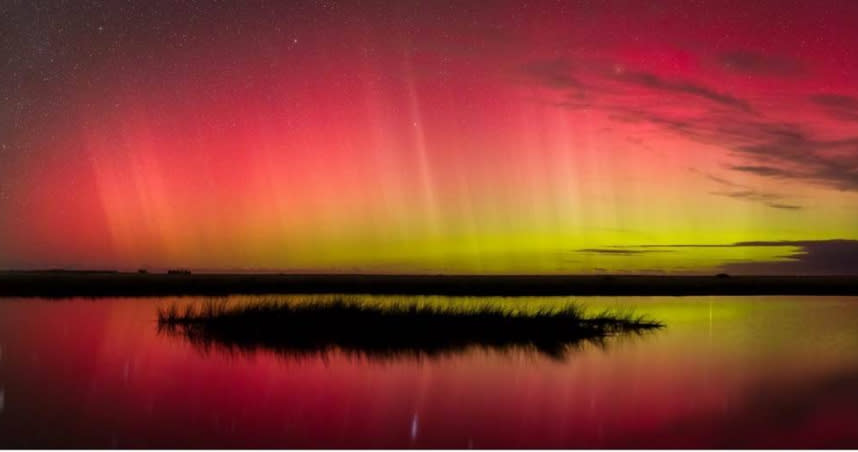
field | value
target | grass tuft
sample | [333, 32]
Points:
[375, 331]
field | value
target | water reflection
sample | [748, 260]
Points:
[296, 347]
[731, 372]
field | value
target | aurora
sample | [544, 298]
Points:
[426, 138]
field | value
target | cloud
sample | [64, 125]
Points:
[615, 82]
[619, 251]
[762, 170]
[838, 106]
[812, 257]
[796, 155]
[784, 206]
[766, 147]
[655, 82]
[753, 63]
[768, 199]
[797, 257]
[552, 73]
[720, 180]
[770, 149]
[744, 192]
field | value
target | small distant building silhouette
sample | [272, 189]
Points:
[142, 271]
[179, 271]
[722, 275]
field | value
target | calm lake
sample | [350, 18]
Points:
[725, 372]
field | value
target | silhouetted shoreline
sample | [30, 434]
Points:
[95, 284]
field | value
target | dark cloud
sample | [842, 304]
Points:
[722, 181]
[753, 63]
[613, 81]
[619, 251]
[771, 149]
[768, 199]
[744, 192]
[653, 81]
[767, 148]
[813, 257]
[838, 106]
[784, 206]
[762, 170]
[796, 155]
[552, 73]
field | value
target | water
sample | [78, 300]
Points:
[725, 372]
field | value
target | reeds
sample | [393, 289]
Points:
[302, 328]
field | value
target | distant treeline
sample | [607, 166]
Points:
[182, 282]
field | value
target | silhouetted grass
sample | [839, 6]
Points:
[298, 329]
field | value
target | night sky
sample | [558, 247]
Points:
[430, 136]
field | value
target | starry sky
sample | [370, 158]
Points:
[430, 136]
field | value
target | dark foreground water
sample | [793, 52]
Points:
[725, 372]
